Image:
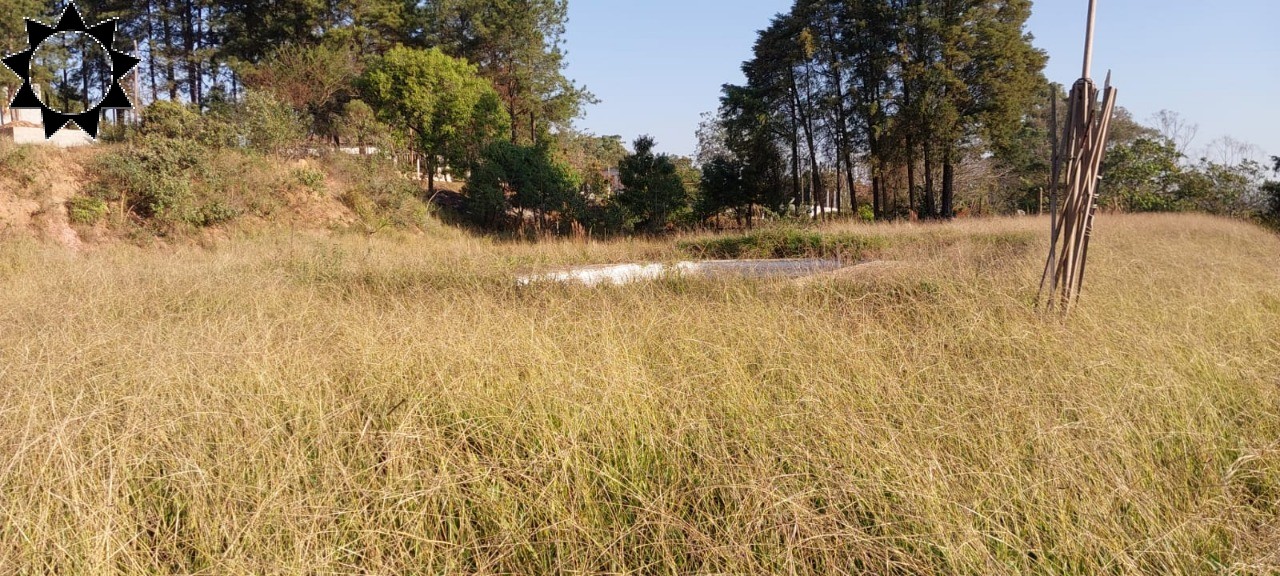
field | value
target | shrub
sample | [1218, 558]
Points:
[786, 243]
[172, 183]
[376, 192]
[269, 125]
[86, 210]
[150, 175]
[215, 212]
[16, 163]
[525, 177]
[310, 178]
[170, 120]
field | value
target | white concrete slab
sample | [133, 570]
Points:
[620, 274]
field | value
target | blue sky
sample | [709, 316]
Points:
[657, 64]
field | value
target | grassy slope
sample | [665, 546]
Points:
[297, 404]
[221, 193]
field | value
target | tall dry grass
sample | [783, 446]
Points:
[292, 404]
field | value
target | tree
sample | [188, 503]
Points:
[592, 157]
[447, 110]
[524, 177]
[1176, 129]
[316, 80]
[1227, 189]
[904, 86]
[1271, 190]
[1126, 130]
[711, 136]
[722, 189]
[517, 44]
[1142, 176]
[360, 126]
[652, 188]
[13, 31]
[991, 75]
[751, 138]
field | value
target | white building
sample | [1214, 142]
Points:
[25, 126]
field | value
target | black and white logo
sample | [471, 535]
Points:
[103, 34]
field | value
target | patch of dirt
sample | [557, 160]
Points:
[309, 208]
[59, 179]
[38, 206]
[15, 212]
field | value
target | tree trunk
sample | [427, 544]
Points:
[833, 198]
[189, 65]
[911, 151]
[170, 74]
[877, 206]
[511, 112]
[151, 52]
[930, 208]
[85, 71]
[911, 176]
[818, 189]
[874, 153]
[842, 137]
[877, 195]
[796, 189]
[431, 175]
[948, 184]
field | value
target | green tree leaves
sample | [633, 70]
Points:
[449, 111]
[526, 178]
[517, 44]
[1148, 174]
[909, 86]
[652, 188]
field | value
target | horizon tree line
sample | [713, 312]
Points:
[885, 98]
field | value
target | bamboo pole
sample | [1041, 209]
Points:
[1055, 163]
[1057, 218]
[1088, 38]
[1060, 282]
[1108, 106]
[1076, 162]
[1055, 175]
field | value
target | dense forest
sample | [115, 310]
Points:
[878, 109]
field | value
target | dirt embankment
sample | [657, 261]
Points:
[35, 184]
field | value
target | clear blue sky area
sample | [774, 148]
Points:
[656, 65]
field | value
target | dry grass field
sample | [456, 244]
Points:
[286, 403]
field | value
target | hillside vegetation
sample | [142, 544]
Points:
[286, 402]
[174, 189]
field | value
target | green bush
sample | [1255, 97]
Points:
[310, 178]
[16, 163]
[170, 120]
[172, 183]
[152, 176]
[786, 243]
[525, 177]
[376, 192]
[269, 125]
[86, 210]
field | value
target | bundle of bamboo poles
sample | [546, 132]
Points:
[1077, 157]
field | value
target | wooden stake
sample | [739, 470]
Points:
[1077, 160]
[1088, 38]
